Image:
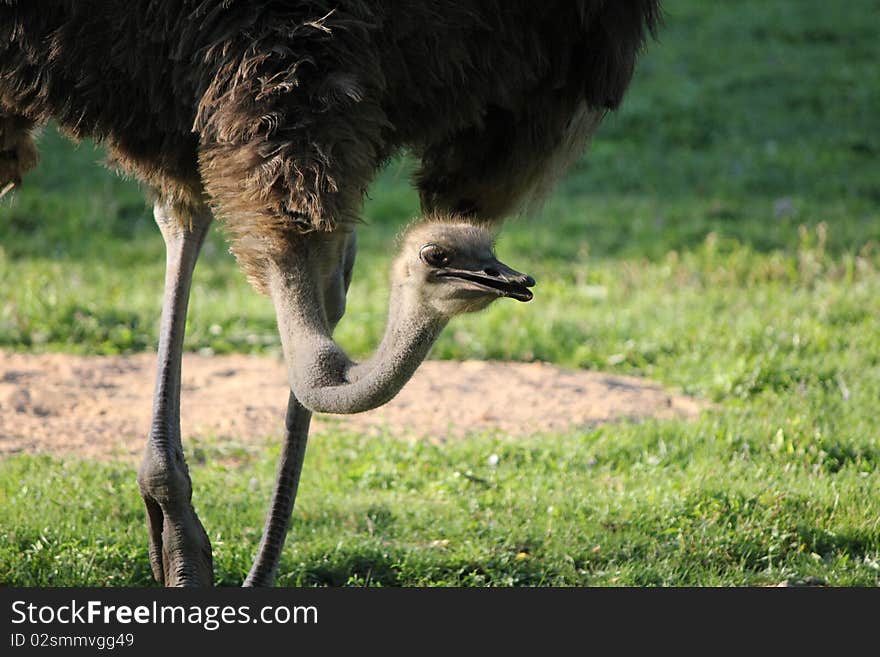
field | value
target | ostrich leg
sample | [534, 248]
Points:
[180, 552]
[293, 452]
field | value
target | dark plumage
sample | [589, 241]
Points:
[279, 113]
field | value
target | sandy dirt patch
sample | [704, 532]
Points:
[99, 407]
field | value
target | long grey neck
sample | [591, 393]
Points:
[322, 377]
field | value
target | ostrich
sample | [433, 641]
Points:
[274, 116]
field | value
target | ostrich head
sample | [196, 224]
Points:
[451, 269]
[444, 268]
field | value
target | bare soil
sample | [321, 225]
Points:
[99, 406]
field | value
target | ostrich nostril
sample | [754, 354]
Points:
[489, 271]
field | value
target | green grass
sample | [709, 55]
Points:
[722, 236]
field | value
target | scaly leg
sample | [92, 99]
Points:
[180, 552]
[293, 452]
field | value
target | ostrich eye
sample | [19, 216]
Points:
[434, 256]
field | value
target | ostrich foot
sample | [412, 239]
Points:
[180, 551]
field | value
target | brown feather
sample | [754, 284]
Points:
[279, 113]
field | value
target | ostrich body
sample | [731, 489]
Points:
[274, 116]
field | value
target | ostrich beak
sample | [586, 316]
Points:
[497, 277]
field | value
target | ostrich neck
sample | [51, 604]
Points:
[322, 377]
